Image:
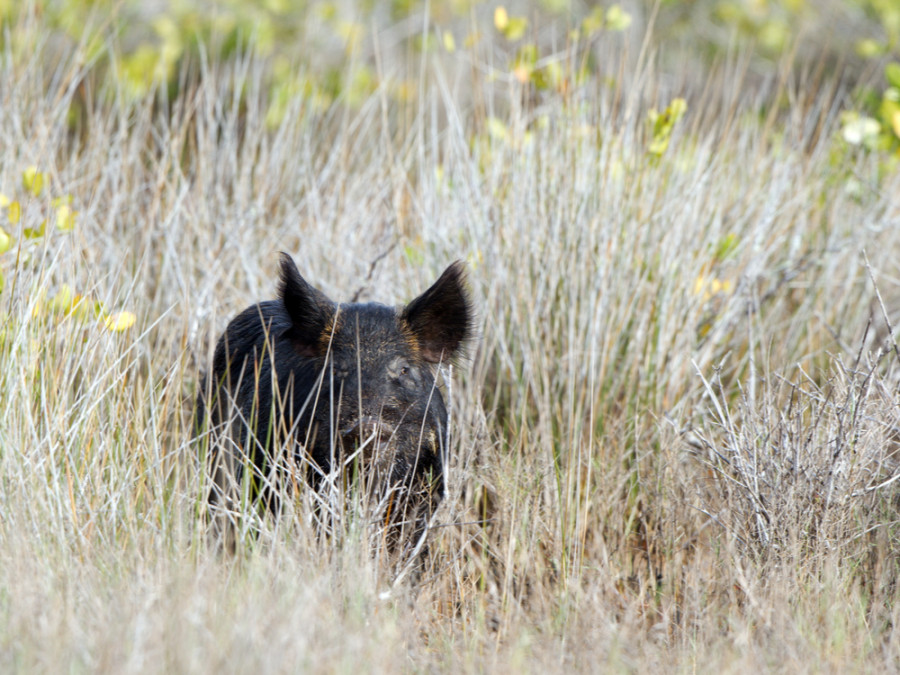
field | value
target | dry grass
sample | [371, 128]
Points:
[674, 441]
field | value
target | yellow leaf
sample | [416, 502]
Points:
[14, 213]
[699, 284]
[33, 180]
[449, 42]
[5, 241]
[65, 218]
[497, 129]
[4, 201]
[895, 123]
[501, 18]
[869, 48]
[617, 18]
[352, 32]
[119, 321]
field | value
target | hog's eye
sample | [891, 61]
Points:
[408, 377]
[402, 372]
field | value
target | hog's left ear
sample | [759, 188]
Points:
[441, 318]
[310, 310]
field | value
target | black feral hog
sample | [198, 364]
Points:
[304, 386]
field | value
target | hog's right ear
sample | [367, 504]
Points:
[311, 312]
[441, 318]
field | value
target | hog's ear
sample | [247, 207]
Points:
[441, 318]
[311, 312]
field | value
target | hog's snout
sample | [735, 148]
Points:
[367, 427]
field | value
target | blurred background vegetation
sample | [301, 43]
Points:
[328, 52]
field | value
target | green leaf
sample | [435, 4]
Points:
[550, 75]
[593, 22]
[527, 55]
[556, 6]
[516, 28]
[726, 246]
[773, 35]
[892, 73]
[64, 300]
[414, 254]
[662, 125]
[36, 233]
[141, 69]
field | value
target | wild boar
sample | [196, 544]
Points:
[331, 391]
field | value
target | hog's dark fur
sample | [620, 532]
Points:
[309, 381]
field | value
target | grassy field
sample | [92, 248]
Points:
[675, 440]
